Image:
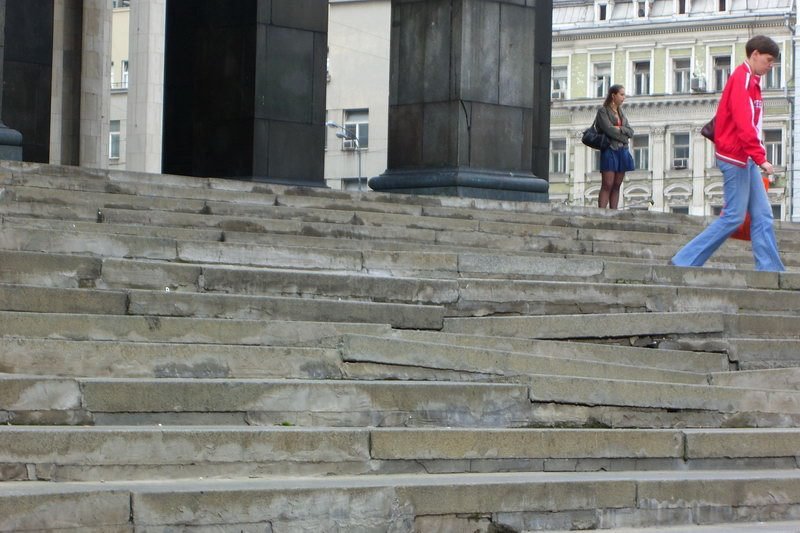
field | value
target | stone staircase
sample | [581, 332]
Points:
[182, 354]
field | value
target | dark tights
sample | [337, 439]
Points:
[609, 190]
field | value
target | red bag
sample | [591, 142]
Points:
[743, 232]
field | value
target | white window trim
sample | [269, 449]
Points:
[676, 4]
[670, 69]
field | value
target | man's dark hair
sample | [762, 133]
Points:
[764, 45]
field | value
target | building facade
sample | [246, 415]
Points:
[673, 57]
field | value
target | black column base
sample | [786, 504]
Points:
[10, 144]
[464, 182]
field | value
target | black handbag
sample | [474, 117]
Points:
[595, 139]
[708, 130]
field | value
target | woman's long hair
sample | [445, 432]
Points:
[614, 89]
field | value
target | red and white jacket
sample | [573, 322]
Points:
[737, 129]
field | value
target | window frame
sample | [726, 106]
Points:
[682, 73]
[674, 147]
[114, 139]
[356, 127]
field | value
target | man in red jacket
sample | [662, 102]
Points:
[741, 157]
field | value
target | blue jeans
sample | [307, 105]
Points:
[744, 191]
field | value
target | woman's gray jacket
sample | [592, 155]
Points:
[606, 122]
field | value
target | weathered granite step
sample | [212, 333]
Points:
[103, 401]
[179, 330]
[486, 362]
[752, 354]
[27, 298]
[641, 394]
[687, 361]
[541, 401]
[165, 360]
[778, 378]
[588, 326]
[31, 453]
[408, 502]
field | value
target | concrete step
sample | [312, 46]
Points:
[687, 361]
[27, 298]
[35, 453]
[409, 502]
[588, 326]
[751, 354]
[29, 400]
[189, 331]
[535, 401]
[165, 360]
[486, 362]
[778, 378]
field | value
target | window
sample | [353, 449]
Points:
[124, 73]
[113, 140]
[558, 156]
[681, 7]
[602, 79]
[641, 151]
[777, 212]
[356, 123]
[774, 145]
[772, 80]
[602, 11]
[680, 151]
[595, 160]
[681, 69]
[558, 83]
[641, 77]
[121, 3]
[681, 209]
[640, 8]
[722, 71]
[722, 5]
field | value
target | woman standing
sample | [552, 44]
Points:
[616, 159]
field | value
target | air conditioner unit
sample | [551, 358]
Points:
[680, 164]
[557, 95]
[349, 144]
[698, 84]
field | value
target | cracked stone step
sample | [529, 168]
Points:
[402, 502]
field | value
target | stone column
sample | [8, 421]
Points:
[247, 99]
[10, 140]
[579, 170]
[146, 85]
[468, 102]
[657, 139]
[66, 86]
[95, 83]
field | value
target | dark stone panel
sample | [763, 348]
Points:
[516, 50]
[320, 80]
[292, 138]
[497, 137]
[309, 15]
[439, 137]
[541, 87]
[261, 147]
[480, 62]
[420, 60]
[405, 136]
[27, 74]
[285, 81]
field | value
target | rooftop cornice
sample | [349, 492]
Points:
[605, 30]
[654, 101]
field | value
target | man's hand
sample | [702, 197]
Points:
[766, 167]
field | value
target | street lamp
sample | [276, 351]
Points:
[349, 136]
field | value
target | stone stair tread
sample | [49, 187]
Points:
[214, 305]
[369, 349]
[178, 330]
[365, 499]
[582, 326]
[689, 361]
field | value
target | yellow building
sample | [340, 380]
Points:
[673, 57]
